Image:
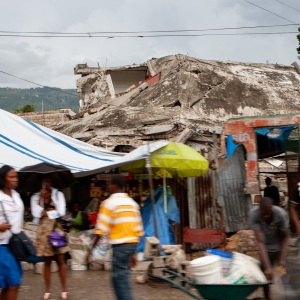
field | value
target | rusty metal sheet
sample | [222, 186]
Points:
[202, 199]
[208, 210]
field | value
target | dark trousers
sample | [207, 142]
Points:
[121, 257]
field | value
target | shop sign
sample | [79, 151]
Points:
[95, 192]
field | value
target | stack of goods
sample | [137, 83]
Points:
[79, 243]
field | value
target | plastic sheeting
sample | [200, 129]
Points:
[278, 133]
[164, 220]
[270, 141]
[230, 146]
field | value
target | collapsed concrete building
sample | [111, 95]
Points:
[177, 98]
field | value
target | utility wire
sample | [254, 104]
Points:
[147, 31]
[148, 36]
[268, 11]
[51, 88]
[288, 5]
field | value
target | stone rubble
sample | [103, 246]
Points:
[192, 99]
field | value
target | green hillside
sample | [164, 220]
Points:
[12, 98]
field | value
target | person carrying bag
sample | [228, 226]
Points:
[19, 244]
[11, 222]
[48, 206]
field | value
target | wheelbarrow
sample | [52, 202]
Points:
[213, 291]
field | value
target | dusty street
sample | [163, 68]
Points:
[91, 285]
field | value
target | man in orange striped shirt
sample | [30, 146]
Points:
[119, 218]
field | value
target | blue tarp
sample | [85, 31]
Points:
[284, 132]
[164, 221]
[268, 144]
[230, 146]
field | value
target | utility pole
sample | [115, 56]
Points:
[43, 117]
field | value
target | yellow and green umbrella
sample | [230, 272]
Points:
[176, 158]
[172, 159]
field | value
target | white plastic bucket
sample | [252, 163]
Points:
[206, 269]
[226, 259]
[226, 265]
[205, 264]
[208, 277]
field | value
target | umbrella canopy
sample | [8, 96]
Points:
[176, 159]
[172, 159]
[31, 177]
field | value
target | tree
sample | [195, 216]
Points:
[25, 109]
[298, 37]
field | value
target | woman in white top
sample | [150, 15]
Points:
[10, 269]
[46, 207]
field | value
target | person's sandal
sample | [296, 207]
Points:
[46, 296]
[64, 295]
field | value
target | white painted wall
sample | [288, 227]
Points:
[122, 80]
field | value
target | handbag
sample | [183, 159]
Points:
[19, 244]
[57, 239]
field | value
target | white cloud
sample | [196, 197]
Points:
[51, 61]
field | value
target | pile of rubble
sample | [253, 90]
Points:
[178, 98]
[243, 242]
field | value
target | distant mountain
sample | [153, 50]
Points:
[12, 98]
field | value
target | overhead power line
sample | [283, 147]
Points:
[269, 11]
[288, 5]
[143, 32]
[148, 36]
[48, 87]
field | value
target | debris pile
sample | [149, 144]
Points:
[178, 98]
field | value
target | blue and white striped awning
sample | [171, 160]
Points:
[24, 143]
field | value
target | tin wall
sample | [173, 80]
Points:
[217, 200]
[204, 211]
[208, 210]
[231, 181]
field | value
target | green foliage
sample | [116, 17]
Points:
[12, 99]
[298, 37]
[25, 109]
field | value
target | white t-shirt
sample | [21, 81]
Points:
[14, 210]
[59, 202]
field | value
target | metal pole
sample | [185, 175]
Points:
[165, 193]
[150, 178]
[43, 117]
